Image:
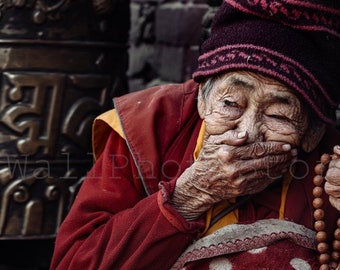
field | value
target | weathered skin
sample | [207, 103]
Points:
[254, 128]
[332, 185]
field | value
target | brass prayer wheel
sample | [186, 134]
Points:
[61, 62]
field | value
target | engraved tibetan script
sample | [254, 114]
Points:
[31, 107]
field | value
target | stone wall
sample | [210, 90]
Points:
[164, 41]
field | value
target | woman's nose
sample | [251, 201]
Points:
[251, 123]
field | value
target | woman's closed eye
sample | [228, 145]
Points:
[230, 103]
[278, 116]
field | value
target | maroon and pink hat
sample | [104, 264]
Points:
[294, 41]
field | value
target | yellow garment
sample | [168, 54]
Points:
[110, 120]
[101, 129]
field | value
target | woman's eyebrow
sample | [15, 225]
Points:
[282, 98]
[237, 81]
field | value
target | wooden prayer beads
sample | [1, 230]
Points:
[329, 256]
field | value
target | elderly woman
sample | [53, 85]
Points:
[219, 172]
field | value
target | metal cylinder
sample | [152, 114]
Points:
[61, 62]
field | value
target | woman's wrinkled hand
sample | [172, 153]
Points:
[332, 185]
[227, 167]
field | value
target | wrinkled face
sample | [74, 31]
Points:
[244, 101]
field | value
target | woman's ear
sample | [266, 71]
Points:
[201, 103]
[313, 134]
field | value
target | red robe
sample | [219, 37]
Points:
[121, 219]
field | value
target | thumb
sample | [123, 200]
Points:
[336, 150]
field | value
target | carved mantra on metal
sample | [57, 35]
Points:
[34, 106]
[44, 118]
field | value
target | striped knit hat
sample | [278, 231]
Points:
[296, 42]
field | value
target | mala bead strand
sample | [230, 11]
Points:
[328, 259]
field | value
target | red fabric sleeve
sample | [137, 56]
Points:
[112, 225]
